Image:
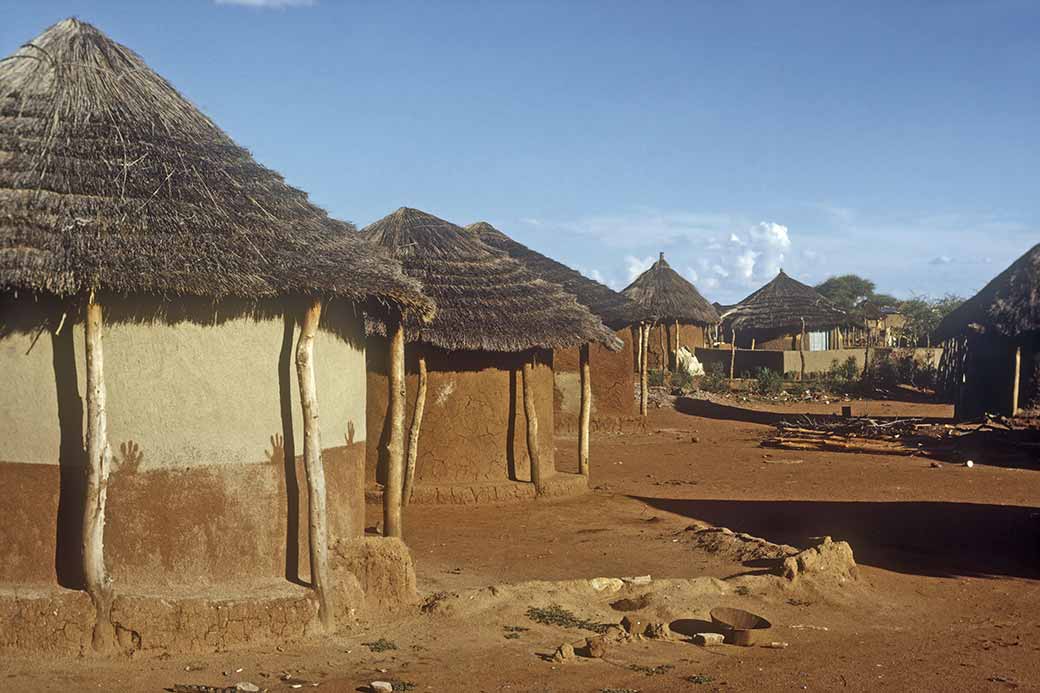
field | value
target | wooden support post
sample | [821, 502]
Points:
[317, 516]
[99, 463]
[644, 379]
[394, 488]
[1017, 381]
[413, 433]
[586, 410]
[732, 352]
[752, 344]
[676, 345]
[531, 414]
[801, 351]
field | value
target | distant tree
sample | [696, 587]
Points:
[846, 291]
[923, 314]
[885, 301]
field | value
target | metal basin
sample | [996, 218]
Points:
[740, 627]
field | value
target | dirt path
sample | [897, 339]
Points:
[948, 596]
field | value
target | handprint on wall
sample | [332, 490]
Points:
[130, 455]
[277, 453]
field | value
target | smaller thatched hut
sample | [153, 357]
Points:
[784, 314]
[486, 361]
[674, 315]
[612, 371]
[992, 343]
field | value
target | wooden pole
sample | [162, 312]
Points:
[586, 410]
[644, 394]
[676, 345]
[99, 464]
[663, 343]
[392, 492]
[317, 516]
[413, 433]
[1017, 380]
[531, 413]
[732, 352]
[752, 344]
[801, 351]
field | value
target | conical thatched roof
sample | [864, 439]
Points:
[486, 301]
[110, 180]
[662, 294]
[612, 308]
[1009, 305]
[781, 305]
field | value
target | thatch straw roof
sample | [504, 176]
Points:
[110, 180]
[1009, 305]
[663, 295]
[782, 304]
[612, 308]
[486, 301]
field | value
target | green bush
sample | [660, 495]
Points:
[844, 372]
[714, 379]
[682, 380]
[768, 382]
[655, 377]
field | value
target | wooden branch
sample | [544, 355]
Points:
[644, 344]
[413, 433]
[586, 410]
[1016, 380]
[392, 492]
[732, 352]
[99, 464]
[533, 449]
[317, 516]
[801, 351]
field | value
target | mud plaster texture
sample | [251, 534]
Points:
[474, 430]
[203, 499]
[614, 407]
[559, 485]
[662, 343]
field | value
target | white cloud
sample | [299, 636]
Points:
[272, 4]
[531, 221]
[941, 260]
[691, 274]
[636, 266]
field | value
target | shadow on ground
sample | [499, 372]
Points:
[921, 538]
[729, 412]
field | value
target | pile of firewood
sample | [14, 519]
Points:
[862, 435]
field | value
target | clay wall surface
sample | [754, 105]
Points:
[199, 408]
[662, 342]
[474, 429]
[613, 383]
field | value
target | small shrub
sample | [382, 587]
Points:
[556, 615]
[682, 380]
[655, 377]
[768, 382]
[381, 645]
[714, 379]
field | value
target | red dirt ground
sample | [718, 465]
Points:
[948, 596]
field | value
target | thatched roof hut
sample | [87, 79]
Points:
[991, 357]
[1009, 305]
[665, 296]
[496, 328]
[118, 198]
[111, 181]
[486, 301]
[781, 306]
[611, 371]
[614, 309]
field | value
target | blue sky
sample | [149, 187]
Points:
[897, 140]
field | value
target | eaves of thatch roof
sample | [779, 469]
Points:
[783, 304]
[1009, 305]
[615, 310]
[111, 181]
[662, 294]
[486, 300]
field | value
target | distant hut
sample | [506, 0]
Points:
[992, 343]
[674, 315]
[785, 314]
[167, 306]
[612, 371]
[481, 372]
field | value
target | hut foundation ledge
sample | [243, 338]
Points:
[375, 577]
